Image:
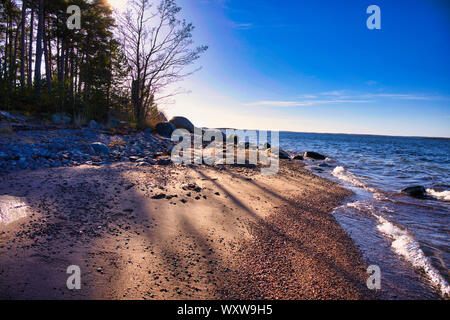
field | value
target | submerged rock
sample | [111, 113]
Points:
[415, 191]
[314, 155]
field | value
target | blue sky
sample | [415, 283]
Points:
[314, 66]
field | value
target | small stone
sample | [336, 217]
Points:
[100, 148]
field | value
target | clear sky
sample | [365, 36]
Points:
[308, 65]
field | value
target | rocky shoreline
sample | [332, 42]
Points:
[32, 149]
[34, 145]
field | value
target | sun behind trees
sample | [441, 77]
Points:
[99, 70]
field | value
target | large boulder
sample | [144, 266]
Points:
[165, 129]
[415, 191]
[314, 155]
[282, 154]
[182, 123]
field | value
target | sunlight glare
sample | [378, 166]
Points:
[118, 4]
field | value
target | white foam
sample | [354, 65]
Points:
[404, 245]
[442, 195]
[402, 242]
[345, 175]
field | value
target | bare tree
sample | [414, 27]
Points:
[158, 48]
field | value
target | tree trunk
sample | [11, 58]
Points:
[30, 52]
[14, 60]
[48, 69]
[22, 46]
[37, 65]
[61, 65]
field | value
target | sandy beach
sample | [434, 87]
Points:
[178, 232]
[248, 154]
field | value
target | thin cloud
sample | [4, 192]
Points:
[339, 97]
[345, 94]
[241, 26]
[333, 93]
[303, 103]
[403, 96]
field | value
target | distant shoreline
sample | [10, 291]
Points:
[350, 134]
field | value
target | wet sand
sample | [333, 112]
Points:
[178, 232]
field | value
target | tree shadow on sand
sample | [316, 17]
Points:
[104, 220]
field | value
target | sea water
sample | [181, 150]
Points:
[407, 238]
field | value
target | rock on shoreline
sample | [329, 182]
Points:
[39, 146]
[165, 129]
[182, 123]
[314, 155]
[32, 149]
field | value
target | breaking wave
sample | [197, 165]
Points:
[345, 175]
[442, 195]
[404, 244]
